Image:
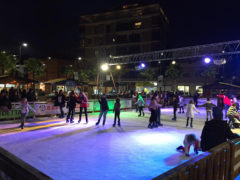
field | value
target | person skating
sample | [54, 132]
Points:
[159, 111]
[181, 104]
[116, 110]
[83, 105]
[141, 105]
[153, 105]
[60, 101]
[103, 109]
[209, 105]
[195, 98]
[189, 140]
[232, 114]
[175, 106]
[226, 101]
[190, 113]
[216, 131]
[24, 106]
[71, 107]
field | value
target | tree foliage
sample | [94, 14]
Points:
[209, 73]
[7, 63]
[34, 66]
[148, 74]
[174, 72]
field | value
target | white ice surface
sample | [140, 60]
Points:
[84, 151]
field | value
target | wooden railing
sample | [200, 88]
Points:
[219, 163]
[13, 168]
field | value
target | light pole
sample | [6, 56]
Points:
[20, 50]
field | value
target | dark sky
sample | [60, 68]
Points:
[51, 26]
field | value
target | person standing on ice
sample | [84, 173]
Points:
[24, 106]
[71, 107]
[83, 100]
[153, 106]
[181, 104]
[189, 140]
[140, 104]
[103, 109]
[60, 101]
[209, 105]
[116, 110]
[159, 109]
[189, 112]
[175, 106]
[226, 101]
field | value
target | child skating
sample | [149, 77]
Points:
[24, 106]
[209, 105]
[116, 110]
[190, 113]
[189, 140]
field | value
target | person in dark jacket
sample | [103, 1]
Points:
[103, 109]
[216, 131]
[31, 95]
[71, 107]
[60, 101]
[116, 109]
[5, 104]
[175, 107]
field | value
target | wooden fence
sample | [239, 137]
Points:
[13, 168]
[219, 163]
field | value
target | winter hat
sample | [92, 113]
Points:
[217, 113]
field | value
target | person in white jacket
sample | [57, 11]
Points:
[24, 106]
[190, 113]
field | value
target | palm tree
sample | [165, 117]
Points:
[7, 63]
[36, 67]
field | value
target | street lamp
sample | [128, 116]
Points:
[118, 67]
[79, 58]
[173, 62]
[105, 67]
[20, 49]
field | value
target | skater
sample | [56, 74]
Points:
[227, 102]
[195, 98]
[216, 131]
[60, 101]
[181, 104]
[232, 114]
[189, 112]
[153, 105]
[209, 105]
[159, 110]
[71, 107]
[116, 109]
[140, 104]
[190, 139]
[103, 109]
[24, 106]
[175, 106]
[83, 100]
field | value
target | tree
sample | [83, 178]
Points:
[7, 63]
[209, 73]
[174, 73]
[36, 67]
[68, 71]
[148, 74]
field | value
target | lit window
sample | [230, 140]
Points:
[199, 89]
[184, 89]
[138, 24]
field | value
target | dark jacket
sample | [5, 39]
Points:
[31, 96]
[56, 103]
[214, 133]
[176, 102]
[103, 104]
[72, 102]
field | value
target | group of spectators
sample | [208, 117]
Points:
[15, 95]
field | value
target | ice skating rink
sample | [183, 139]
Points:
[88, 152]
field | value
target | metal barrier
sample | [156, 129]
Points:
[212, 165]
[13, 168]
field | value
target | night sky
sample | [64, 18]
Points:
[51, 27]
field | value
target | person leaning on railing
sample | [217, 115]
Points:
[216, 131]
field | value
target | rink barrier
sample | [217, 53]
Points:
[212, 165]
[235, 156]
[48, 108]
[13, 168]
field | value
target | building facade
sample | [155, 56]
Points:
[131, 29]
